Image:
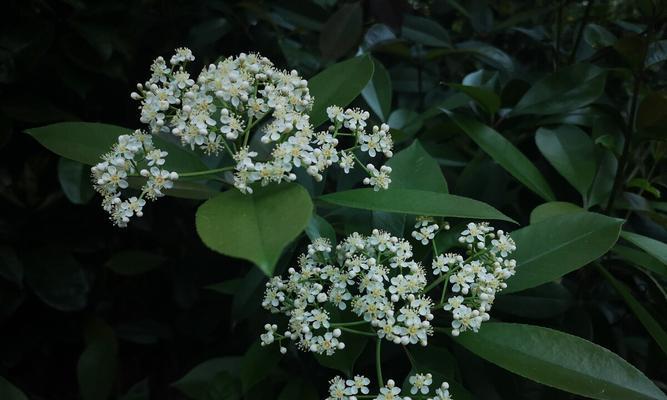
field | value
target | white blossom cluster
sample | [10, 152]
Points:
[373, 276]
[341, 389]
[477, 279]
[233, 99]
[136, 155]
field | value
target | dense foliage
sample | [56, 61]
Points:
[545, 118]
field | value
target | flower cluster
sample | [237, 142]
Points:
[373, 276]
[341, 389]
[136, 155]
[477, 279]
[238, 97]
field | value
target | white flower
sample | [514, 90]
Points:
[442, 393]
[389, 392]
[420, 383]
[379, 179]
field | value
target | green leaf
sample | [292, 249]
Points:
[134, 262]
[488, 54]
[560, 360]
[641, 259]
[556, 246]
[342, 31]
[653, 247]
[415, 202]
[378, 91]
[258, 363]
[56, 278]
[86, 142]
[74, 179]
[645, 185]
[489, 101]
[506, 155]
[571, 152]
[255, 227]
[96, 369]
[567, 89]
[339, 85]
[320, 227]
[9, 391]
[344, 360]
[542, 302]
[213, 379]
[597, 36]
[652, 326]
[657, 52]
[10, 266]
[440, 363]
[424, 31]
[414, 168]
[551, 209]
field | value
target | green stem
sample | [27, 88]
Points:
[206, 172]
[580, 32]
[628, 133]
[339, 324]
[356, 332]
[378, 362]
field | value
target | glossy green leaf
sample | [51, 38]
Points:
[560, 360]
[556, 246]
[487, 54]
[414, 168]
[11, 268]
[598, 36]
[212, 380]
[378, 91]
[652, 326]
[342, 31]
[134, 262]
[542, 302]
[657, 52]
[415, 202]
[567, 89]
[258, 363]
[9, 391]
[56, 278]
[424, 31]
[97, 365]
[344, 360]
[571, 152]
[438, 362]
[255, 227]
[489, 101]
[319, 227]
[339, 85]
[86, 142]
[506, 155]
[641, 259]
[653, 247]
[551, 209]
[74, 180]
